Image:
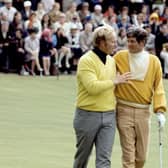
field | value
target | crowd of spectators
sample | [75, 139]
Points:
[38, 36]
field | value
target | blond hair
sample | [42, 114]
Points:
[102, 33]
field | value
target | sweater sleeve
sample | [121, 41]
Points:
[87, 76]
[159, 99]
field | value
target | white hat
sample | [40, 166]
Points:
[7, 1]
[27, 3]
[98, 7]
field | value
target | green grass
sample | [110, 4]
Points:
[36, 131]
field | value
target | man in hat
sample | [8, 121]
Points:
[134, 99]
[8, 10]
[27, 11]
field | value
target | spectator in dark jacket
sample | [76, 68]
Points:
[5, 39]
[63, 49]
[26, 12]
[18, 51]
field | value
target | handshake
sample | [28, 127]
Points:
[161, 119]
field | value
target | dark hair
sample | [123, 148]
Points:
[19, 29]
[33, 30]
[139, 33]
[122, 29]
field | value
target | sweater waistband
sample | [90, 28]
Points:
[132, 104]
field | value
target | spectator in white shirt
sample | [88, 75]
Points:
[97, 16]
[48, 4]
[62, 23]
[33, 22]
[32, 47]
[86, 38]
[164, 56]
[74, 43]
[8, 10]
[40, 12]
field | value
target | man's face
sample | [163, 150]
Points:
[134, 46]
[8, 5]
[110, 44]
[33, 35]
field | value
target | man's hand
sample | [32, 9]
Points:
[161, 119]
[122, 78]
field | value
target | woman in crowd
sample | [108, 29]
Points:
[46, 50]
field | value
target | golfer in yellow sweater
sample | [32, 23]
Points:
[134, 99]
[94, 120]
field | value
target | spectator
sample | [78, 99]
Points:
[64, 50]
[46, 50]
[71, 12]
[48, 5]
[26, 11]
[8, 10]
[86, 37]
[154, 22]
[164, 56]
[74, 44]
[146, 12]
[110, 12]
[45, 22]
[84, 12]
[124, 22]
[122, 39]
[18, 52]
[32, 48]
[5, 40]
[62, 23]
[76, 21]
[160, 39]
[97, 16]
[54, 57]
[33, 22]
[124, 12]
[17, 23]
[140, 20]
[150, 43]
[55, 13]
[40, 12]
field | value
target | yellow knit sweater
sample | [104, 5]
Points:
[142, 92]
[95, 83]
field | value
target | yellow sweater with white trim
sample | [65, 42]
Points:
[95, 88]
[142, 92]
